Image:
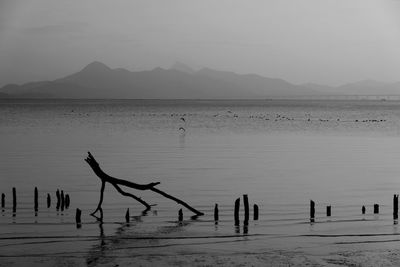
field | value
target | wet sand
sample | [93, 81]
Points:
[361, 240]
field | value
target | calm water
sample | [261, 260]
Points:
[281, 153]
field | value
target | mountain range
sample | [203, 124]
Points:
[97, 80]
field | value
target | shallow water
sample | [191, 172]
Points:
[280, 153]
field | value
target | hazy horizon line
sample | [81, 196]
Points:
[196, 69]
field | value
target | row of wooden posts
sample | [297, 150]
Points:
[246, 210]
[376, 209]
[63, 201]
[216, 212]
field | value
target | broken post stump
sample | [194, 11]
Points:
[48, 200]
[255, 215]
[36, 204]
[14, 191]
[363, 209]
[67, 201]
[58, 199]
[78, 218]
[127, 216]
[376, 208]
[312, 211]
[62, 200]
[3, 200]
[246, 208]
[216, 217]
[395, 207]
[236, 212]
[328, 211]
[180, 215]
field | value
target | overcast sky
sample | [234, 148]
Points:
[323, 41]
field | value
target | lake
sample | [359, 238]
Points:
[282, 153]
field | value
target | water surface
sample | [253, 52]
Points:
[280, 153]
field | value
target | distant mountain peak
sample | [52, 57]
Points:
[97, 80]
[179, 66]
[96, 66]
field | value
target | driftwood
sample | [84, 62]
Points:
[120, 182]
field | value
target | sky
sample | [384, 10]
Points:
[322, 41]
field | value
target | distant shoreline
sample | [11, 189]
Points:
[299, 98]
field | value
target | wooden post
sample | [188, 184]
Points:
[328, 211]
[246, 208]
[3, 200]
[395, 207]
[14, 191]
[78, 218]
[312, 211]
[236, 214]
[67, 201]
[363, 209]
[58, 199]
[255, 215]
[127, 216]
[36, 200]
[62, 200]
[216, 217]
[48, 200]
[245, 229]
[180, 215]
[376, 208]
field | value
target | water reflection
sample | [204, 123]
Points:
[182, 139]
[129, 233]
[97, 253]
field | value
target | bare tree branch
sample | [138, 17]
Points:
[117, 182]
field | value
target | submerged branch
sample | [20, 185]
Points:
[117, 182]
[199, 213]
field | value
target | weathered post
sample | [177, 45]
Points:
[328, 211]
[376, 208]
[67, 201]
[78, 218]
[312, 211]
[58, 199]
[363, 209]
[245, 228]
[395, 207]
[48, 200]
[36, 200]
[246, 208]
[3, 200]
[62, 200]
[255, 215]
[236, 213]
[14, 191]
[216, 217]
[180, 215]
[127, 216]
